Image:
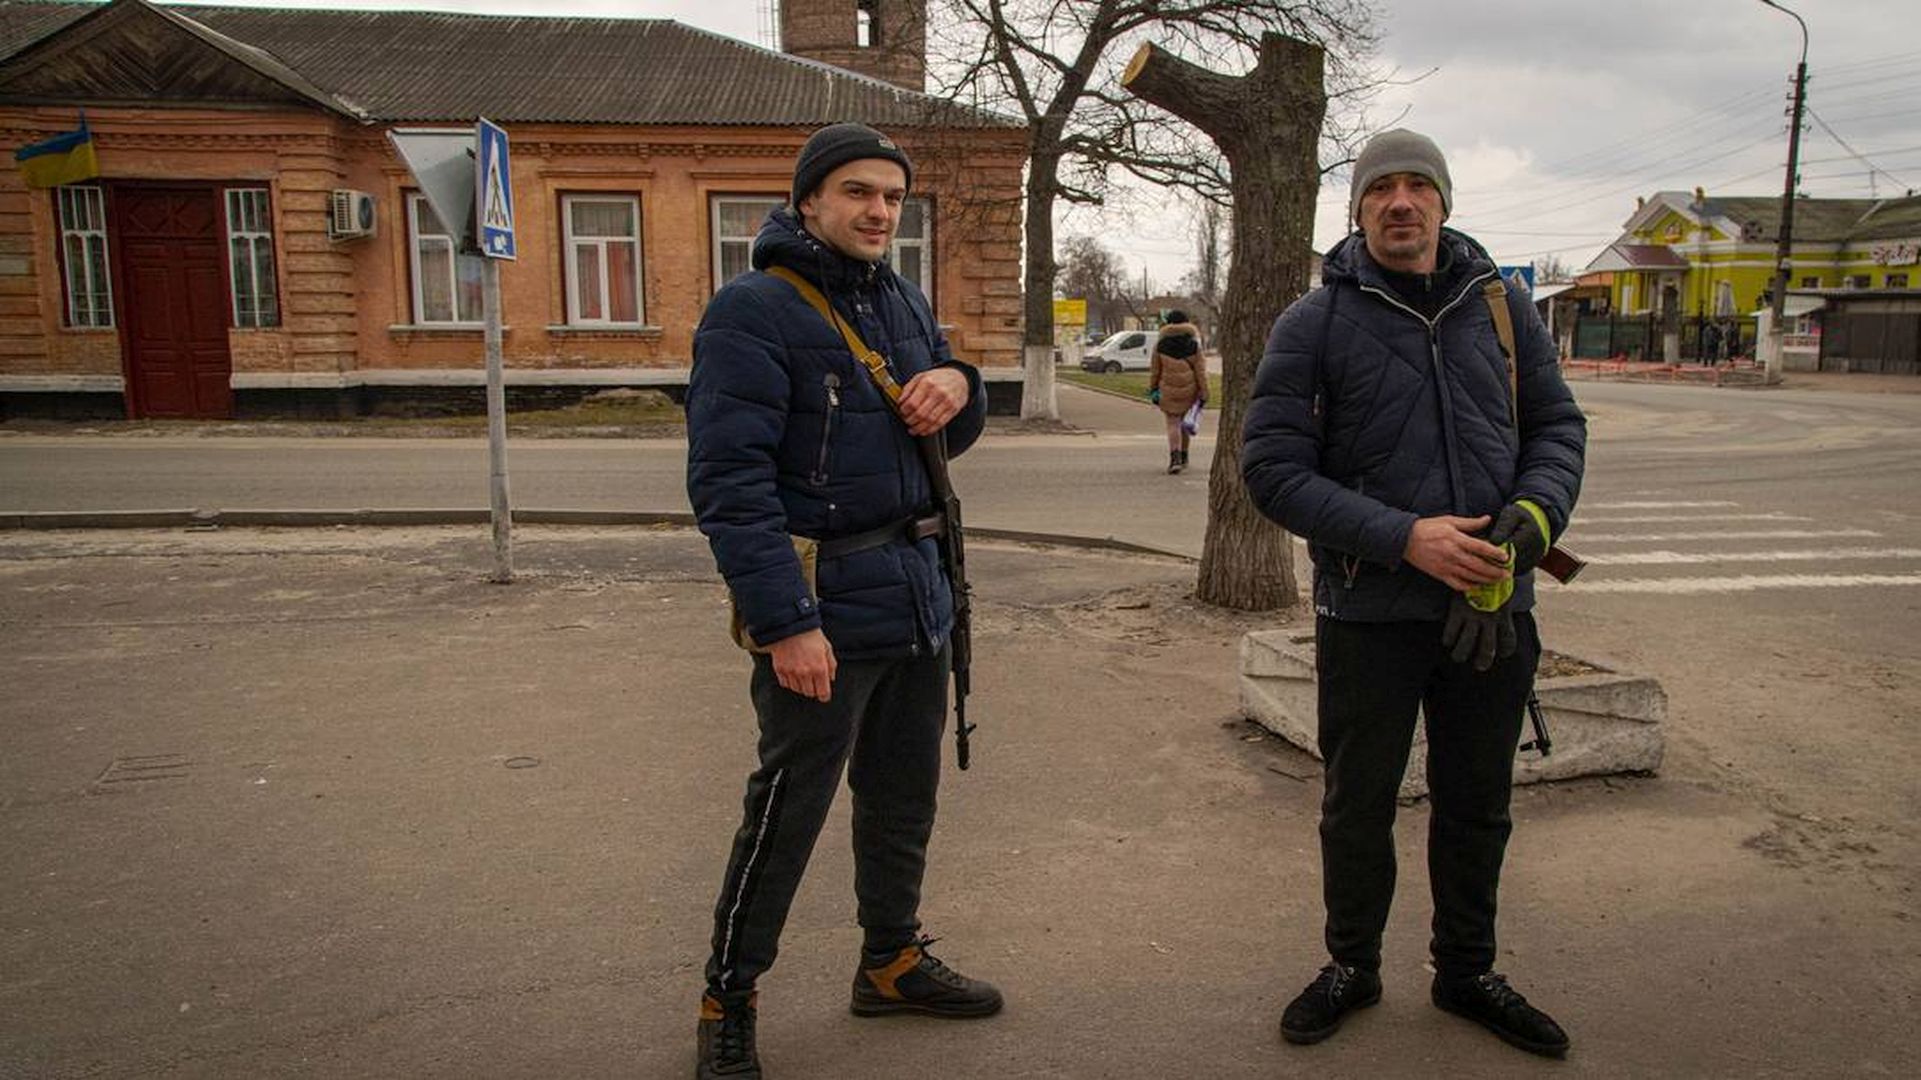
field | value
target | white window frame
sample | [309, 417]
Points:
[249, 219]
[416, 238]
[1723, 298]
[571, 242]
[713, 219]
[81, 211]
[924, 243]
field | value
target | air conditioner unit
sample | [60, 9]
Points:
[351, 214]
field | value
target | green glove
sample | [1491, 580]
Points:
[1521, 527]
[1476, 635]
[1154, 396]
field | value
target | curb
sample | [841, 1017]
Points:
[47, 520]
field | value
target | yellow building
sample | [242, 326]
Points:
[1697, 256]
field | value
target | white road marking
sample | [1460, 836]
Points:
[1775, 534]
[1651, 519]
[1655, 505]
[1682, 586]
[1661, 558]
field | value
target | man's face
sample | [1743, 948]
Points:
[1401, 217]
[857, 208]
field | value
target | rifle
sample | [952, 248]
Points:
[933, 455]
[1559, 563]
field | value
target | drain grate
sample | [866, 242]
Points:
[141, 768]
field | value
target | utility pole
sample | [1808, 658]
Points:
[1774, 351]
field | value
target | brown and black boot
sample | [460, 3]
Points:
[913, 981]
[726, 1049]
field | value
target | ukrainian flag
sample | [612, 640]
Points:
[63, 159]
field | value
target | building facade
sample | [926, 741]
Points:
[253, 245]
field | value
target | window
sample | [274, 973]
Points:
[866, 24]
[1858, 281]
[1898, 281]
[1627, 297]
[1811, 282]
[446, 284]
[603, 260]
[83, 255]
[250, 258]
[737, 219]
[913, 245]
[1724, 298]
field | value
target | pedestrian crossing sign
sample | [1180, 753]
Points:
[494, 188]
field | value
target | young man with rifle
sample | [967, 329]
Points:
[821, 410]
[1429, 455]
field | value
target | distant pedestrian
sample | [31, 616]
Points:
[1388, 429]
[822, 518]
[1710, 343]
[1176, 380]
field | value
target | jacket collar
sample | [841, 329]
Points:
[1349, 260]
[784, 242]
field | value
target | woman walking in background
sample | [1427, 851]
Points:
[1176, 381]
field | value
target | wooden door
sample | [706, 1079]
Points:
[174, 308]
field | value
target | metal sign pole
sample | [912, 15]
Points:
[497, 425]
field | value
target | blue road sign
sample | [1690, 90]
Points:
[1519, 279]
[494, 191]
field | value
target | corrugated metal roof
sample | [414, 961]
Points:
[429, 66]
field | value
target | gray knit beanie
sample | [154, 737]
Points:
[1399, 151]
[836, 145]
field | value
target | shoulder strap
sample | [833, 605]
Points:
[875, 364]
[1495, 293]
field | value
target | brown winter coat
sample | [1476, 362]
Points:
[1179, 380]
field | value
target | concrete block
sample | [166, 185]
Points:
[1601, 721]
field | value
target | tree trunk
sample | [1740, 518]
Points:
[1268, 124]
[1038, 400]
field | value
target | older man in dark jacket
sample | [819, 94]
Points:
[788, 437]
[1428, 475]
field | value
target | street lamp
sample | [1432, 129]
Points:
[1773, 350]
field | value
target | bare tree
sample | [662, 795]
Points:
[1208, 268]
[1550, 267]
[1089, 270]
[1055, 63]
[1268, 124]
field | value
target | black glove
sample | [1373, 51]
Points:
[1523, 526]
[1481, 635]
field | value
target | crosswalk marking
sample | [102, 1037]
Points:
[1659, 519]
[1747, 583]
[1582, 539]
[1664, 558]
[1644, 504]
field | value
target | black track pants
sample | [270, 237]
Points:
[1374, 677]
[883, 726]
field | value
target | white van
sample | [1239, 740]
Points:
[1129, 350]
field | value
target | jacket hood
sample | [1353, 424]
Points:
[1349, 260]
[783, 241]
[1180, 328]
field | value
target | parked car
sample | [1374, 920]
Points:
[1129, 350]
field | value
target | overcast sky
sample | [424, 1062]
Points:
[1554, 115]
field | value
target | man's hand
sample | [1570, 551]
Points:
[1523, 525]
[1477, 635]
[805, 664]
[931, 399]
[1446, 548]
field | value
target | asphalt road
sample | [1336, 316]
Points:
[321, 802]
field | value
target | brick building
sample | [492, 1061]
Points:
[254, 246]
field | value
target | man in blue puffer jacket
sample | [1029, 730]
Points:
[1387, 430]
[789, 437]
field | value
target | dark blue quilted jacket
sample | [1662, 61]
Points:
[1366, 415]
[787, 434]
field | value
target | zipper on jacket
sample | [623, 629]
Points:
[1457, 494]
[832, 382]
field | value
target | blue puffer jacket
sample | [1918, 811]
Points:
[1367, 416]
[786, 433]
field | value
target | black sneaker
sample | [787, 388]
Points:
[1318, 1011]
[727, 1040]
[913, 981]
[1490, 1002]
